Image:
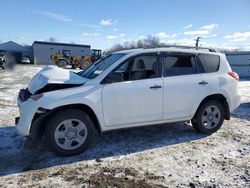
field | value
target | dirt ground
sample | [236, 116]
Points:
[172, 155]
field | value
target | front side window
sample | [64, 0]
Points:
[177, 65]
[137, 68]
[97, 68]
[66, 53]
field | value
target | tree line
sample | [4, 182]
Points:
[154, 42]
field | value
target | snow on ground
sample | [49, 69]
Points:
[157, 156]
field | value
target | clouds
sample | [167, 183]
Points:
[90, 34]
[64, 18]
[89, 25]
[188, 26]
[107, 22]
[53, 15]
[112, 37]
[187, 37]
[238, 36]
[105, 30]
[209, 27]
[164, 35]
[203, 30]
[183, 41]
[197, 32]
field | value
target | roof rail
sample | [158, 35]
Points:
[189, 47]
[192, 47]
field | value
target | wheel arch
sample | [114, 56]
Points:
[221, 98]
[39, 120]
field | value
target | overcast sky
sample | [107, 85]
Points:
[223, 23]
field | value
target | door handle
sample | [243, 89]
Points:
[203, 83]
[155, 87]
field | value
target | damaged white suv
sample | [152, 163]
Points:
[128, 89]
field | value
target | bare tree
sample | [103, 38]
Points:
[115, 48]
[140, 44]
[149, 42]
[152, 41]
[224, 50]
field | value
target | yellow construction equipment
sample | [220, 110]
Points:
[63, 58]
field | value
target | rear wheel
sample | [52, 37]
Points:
[209, 117]
[69, 132]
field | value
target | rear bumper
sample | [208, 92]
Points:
[235, 102]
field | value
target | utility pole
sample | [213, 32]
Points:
[197, 42]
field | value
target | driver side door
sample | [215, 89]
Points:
[137, 98]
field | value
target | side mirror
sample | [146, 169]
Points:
[113, 77]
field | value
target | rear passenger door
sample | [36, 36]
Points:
[185, 85]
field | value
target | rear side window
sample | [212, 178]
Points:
[179, 65]
[210, 63]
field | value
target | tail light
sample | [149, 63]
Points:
[234, 75]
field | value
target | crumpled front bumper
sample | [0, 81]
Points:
[27, 110]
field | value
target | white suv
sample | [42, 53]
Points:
[128, 89]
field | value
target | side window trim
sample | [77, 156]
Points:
[198, 61]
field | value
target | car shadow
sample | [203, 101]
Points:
[242, 111]
[17, 156]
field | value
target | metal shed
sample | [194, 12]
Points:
[15, 50]
[42, 51]
[240, 63]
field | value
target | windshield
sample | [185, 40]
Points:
[97, 68]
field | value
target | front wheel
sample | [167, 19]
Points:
[62, 63]
[209, 117]
[84, 65]
[69, 132]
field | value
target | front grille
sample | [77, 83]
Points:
[24, 94]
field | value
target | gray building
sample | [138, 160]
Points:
[16, 51]
[240, 63]
[42, 51]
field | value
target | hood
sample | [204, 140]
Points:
[54, 75]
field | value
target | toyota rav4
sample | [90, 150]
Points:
[128, 89]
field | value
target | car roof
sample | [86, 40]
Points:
[165, 49]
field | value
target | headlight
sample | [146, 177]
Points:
[36, 97]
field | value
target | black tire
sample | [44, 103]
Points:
[62, 63]
[60, 117]
[197, 119]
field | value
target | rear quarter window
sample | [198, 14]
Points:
[210, 63]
